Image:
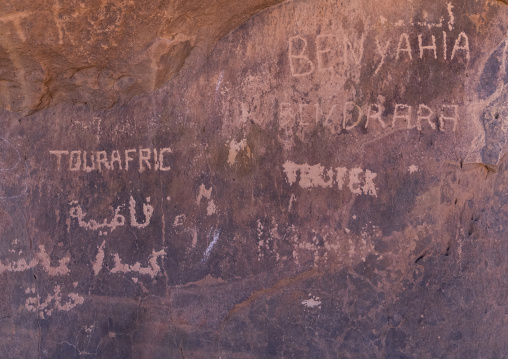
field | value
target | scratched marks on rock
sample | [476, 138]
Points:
[12, 171]
[343, 56]
[357, 84]
[356, 180]
[340, 56]
[336, 50]
[336, 117]
[53, 302]
[118, 219]
[143, 158]
[40, 258]
[282, 242]
[307, 55]
[372, 78]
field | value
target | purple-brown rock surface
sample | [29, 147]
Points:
[191, 179]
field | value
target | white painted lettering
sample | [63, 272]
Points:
[462, 44]
[421, 116]
[299, 63]
[369, 188]
[155, 160]
[317, 176]
[341, 175]
[354, 181]
[445, 46]
[404, 38]
[162, 152]
[346, 111]
[87, 168]
[375, 115]
[102, 159]
[398, 115]
[144, 157]
[355, 50]
[128, 159]
[454, 117]
[115, 158]
[75, 161]
[322, 51]
[58, 155]
[147, 212]
[432, 47]
[329, 121]
[382, 52]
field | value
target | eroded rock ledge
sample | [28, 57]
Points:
[99, 52]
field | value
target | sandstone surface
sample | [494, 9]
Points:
[100, 52]
[323, 179]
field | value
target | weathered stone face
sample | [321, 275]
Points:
[98, 52]
[330, 181]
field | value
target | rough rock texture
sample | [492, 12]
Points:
[330, 181]
[99, 52]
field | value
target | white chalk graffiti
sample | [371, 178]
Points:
[118, 219]
[234, 148]
[348, 115]
[147, 159]
[53, 302]
[216, 234]
[312, 302]
[147, 212]
[207, 193]
[151, 270]
[41, 258]
[99, 259]
[333, 51]
[350, 51]
[358, 181]
[413, 169]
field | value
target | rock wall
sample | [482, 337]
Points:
[99, 52]
[327, 180]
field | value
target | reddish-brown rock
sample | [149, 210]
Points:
[100, 52]
[328, 180]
